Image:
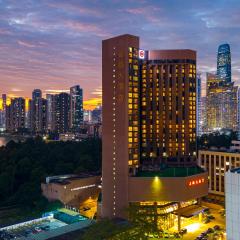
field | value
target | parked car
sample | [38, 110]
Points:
[207, 220]
[38, 229]
[216, 228]
[210, 230]
[183, 231]
[177, 235]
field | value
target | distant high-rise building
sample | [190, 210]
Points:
[97, 114]
[221, 104]
[224, 63]
[34, 114]
[31, 116]
[15, 115]
[3, 112]
[203, 118]
[76, 107]
[238, 112]
[27, 118]
[87, 116]
[51, 112]
[8, 118]
[198, 102]
[36, 94]
[62, 112]
[43, 116]
[221, 101]
[4, 101]
[38, 112]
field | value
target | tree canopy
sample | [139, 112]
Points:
[23, 166]
[216, 139]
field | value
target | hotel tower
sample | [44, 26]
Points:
[149, 127]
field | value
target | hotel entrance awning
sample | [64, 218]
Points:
[190, 211]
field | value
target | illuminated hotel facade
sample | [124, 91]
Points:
[149, 127]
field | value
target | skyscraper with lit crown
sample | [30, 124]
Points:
[221, 94]
[224, 63]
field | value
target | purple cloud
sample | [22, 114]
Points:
[53, 44]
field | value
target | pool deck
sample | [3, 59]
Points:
[49, 226]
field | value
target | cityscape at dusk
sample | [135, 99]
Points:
[119, 120]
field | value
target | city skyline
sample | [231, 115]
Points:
[118, 112]
[56, 44]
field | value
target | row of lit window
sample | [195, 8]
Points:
[130, 140]
[133, 95]
[132, 106]
[114, 139]
[132, 162]
[133, 109]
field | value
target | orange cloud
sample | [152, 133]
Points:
[88, 104]
[56, 91]
[1, 103]
[9, 102]
[92, 103]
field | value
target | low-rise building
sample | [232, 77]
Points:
[80, 192]
[217, 163]
[72, 136]
[235, 145]
[232, 196]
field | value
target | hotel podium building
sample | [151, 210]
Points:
[149, 127]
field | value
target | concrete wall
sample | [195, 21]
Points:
[69, 194]
[167, 189]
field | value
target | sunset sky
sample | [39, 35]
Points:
[54, 44]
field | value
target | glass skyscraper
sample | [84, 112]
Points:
[224, 63]
[221, 104]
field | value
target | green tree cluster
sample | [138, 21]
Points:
[104, 229]
[23, 166]
[140, 226]
[216, 139]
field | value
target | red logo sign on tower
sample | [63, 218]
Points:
[141, 54]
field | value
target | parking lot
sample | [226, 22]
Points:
[219, 220]
[196, 229]
[50, 221]
[31, 229]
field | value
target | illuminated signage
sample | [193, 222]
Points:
[141, 54]
[196, 182]
[83, 187]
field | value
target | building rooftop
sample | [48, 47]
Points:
[224, 150]
[171, 172]
[235, 170]
[52, 224]
[190, 211]
[66, 179]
